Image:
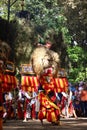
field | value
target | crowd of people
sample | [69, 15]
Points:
[20, 105]
[79, 98]
[76, 100]
[26, 105]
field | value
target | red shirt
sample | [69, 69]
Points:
[84, 95]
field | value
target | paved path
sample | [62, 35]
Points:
[66, 124]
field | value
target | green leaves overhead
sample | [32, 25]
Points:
[60, 19]
[75, 53]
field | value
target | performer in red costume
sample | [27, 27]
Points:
[48, 102]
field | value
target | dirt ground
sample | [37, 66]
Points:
[66, 124]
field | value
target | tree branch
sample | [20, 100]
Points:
[13, 3]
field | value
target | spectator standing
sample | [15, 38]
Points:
[83, 101]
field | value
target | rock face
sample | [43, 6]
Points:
[43, 58]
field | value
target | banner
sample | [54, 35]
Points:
[9, 79]
[29, 83]
[9, 82]
[61, 84]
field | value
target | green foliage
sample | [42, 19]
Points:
[77, 58]
[14, 6]
[48, 15]
[75, 54]
[76, 75]
[75, 12]
[60, 19]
